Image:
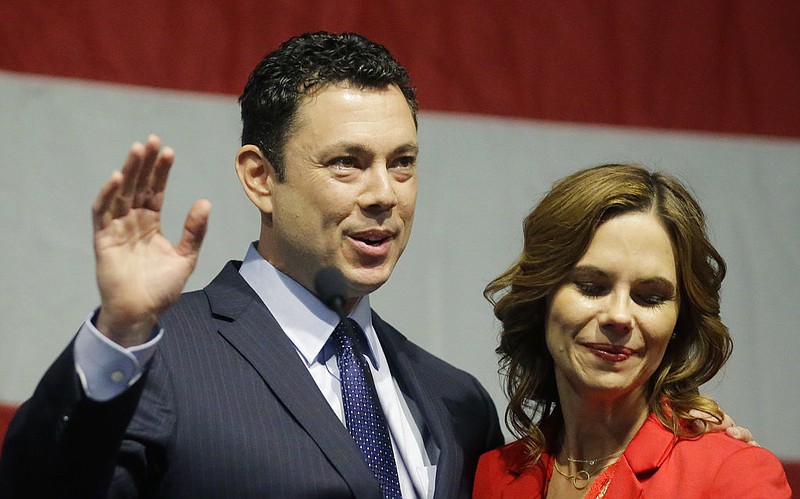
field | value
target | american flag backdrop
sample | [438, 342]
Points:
[513, 96]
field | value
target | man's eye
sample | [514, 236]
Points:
[343, 162]
[406, 162]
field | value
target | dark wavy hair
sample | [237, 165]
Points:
[556, 235]
[305, 64]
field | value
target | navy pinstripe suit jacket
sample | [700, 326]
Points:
[228, 410]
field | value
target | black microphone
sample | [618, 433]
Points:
[330, 287]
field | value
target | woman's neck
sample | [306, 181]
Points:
[598, 427]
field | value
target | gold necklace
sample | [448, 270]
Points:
[591, 462]
[581, 479]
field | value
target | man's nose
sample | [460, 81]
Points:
[379, 191]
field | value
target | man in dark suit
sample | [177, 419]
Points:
[234, 391]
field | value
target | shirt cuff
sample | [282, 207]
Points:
[105, 368]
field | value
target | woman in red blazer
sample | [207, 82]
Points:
[610, 325]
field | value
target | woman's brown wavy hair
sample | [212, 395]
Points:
[556, 234]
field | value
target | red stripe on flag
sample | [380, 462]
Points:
[714, 65]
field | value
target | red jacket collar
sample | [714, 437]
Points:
[648, 450]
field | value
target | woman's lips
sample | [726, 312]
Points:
[610, 353]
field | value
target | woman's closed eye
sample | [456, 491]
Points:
[651, 300]
[654, 292]
[591, 289]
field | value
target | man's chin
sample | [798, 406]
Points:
[365, 281]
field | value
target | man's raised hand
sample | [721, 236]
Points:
[140, 273]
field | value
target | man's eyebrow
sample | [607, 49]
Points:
[356, 148]
[409, 148]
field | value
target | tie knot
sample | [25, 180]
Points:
[348, 334]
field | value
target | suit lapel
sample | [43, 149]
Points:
[254, 333]
[624, 482]
[648, 450]
[436, 416]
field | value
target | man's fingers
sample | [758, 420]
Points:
[194, 230]
[741, 433]
[141, 182]
[727, 421]
[151, 150]
[105, 197]
[130, 179]
[706, 422]
[142, 190]
[158, 181]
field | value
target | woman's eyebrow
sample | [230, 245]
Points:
[587, 271]
[660, 282]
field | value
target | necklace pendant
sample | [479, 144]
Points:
[581, 479]
[591, 462]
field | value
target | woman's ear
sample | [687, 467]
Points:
[256, 176]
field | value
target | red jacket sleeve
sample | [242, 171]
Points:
[751, 472]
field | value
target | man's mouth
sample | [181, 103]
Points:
[372, 238]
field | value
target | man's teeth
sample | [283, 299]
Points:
[371, 241]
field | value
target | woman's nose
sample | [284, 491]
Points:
[618, 314]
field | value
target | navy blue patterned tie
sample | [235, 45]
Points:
[362, 410]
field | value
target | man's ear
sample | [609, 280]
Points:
[256, 176]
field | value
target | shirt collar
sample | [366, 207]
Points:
[303, 317]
